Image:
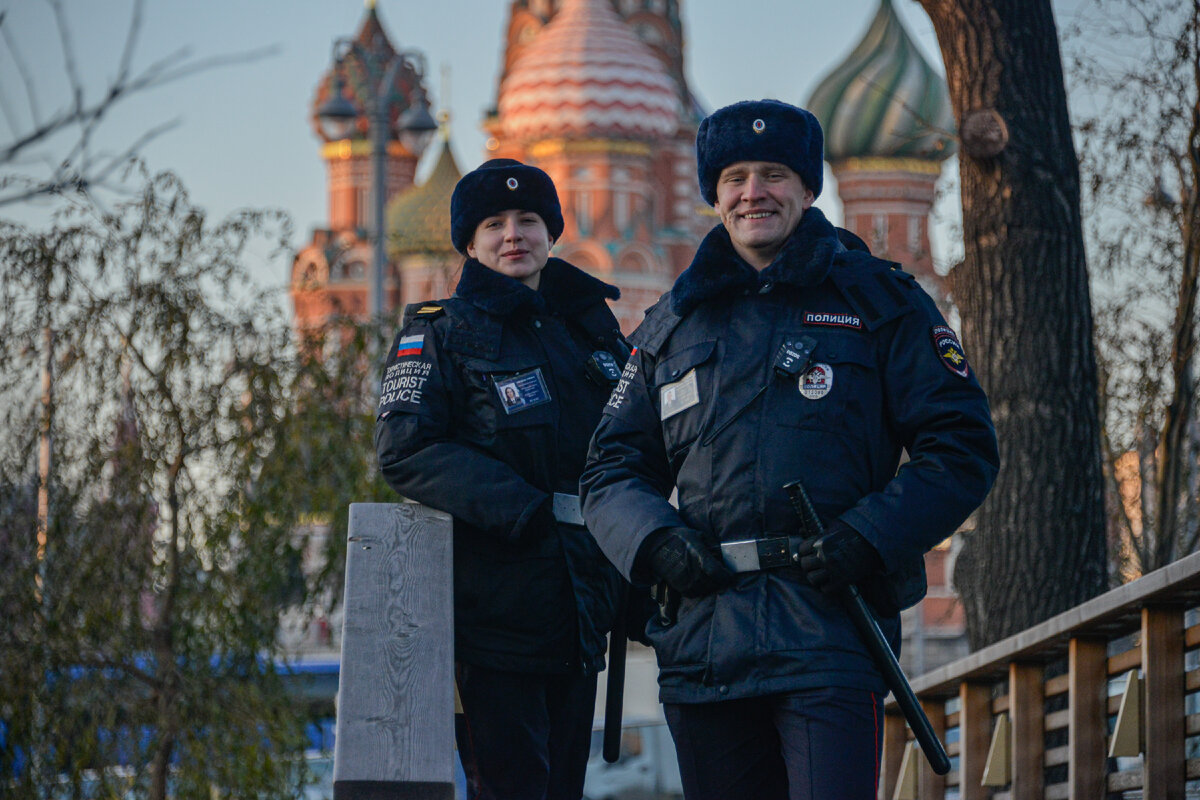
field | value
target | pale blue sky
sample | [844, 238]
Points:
[244, 137]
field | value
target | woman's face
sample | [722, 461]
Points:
[514, 243]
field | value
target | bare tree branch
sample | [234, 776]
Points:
[80, 169]
[1138, 135]
[135, 27]
[23, 72]
[68, 53]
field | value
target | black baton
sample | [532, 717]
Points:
[881, 651]
[615, 693]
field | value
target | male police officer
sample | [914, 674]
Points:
[779, 355]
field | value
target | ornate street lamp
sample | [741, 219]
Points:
[414, 129]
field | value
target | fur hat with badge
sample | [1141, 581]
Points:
[499, 185]
[760, 130]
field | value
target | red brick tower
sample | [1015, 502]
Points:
[888, 128]
[330, 275]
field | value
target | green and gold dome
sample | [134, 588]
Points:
[418, 220]
[884, 100]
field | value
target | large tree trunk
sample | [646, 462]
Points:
[1174, 468]
[1039, 546]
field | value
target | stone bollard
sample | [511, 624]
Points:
[395, 720]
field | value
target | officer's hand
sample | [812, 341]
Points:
[539, 524]
[686, 562]
[639, 608]
[838, 559]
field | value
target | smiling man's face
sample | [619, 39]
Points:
[760, 203]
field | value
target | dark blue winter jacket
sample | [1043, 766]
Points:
[486, 410]
[700, 409]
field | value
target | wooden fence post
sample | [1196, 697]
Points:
[895, 739]
[1164, 773]
[395, 721]
[930, 785]
[974, 738]
[1027, 708]
[1088, 718]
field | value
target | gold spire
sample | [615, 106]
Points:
[443, 116]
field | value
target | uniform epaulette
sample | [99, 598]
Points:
[426, 311]
[431, 310]
[873, 286]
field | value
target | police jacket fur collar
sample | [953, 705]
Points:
[563, 288]
[805, 260]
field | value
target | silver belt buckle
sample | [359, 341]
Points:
[566, 509]
[752, 555]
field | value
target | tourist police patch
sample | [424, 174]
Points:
[949, 351]
[832, 320]
[617, 398]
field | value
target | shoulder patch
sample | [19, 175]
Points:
[949, 351]
[410, 345]
[617, 399]
[403, 386]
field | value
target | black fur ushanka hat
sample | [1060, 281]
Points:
[499, 185]
[760, 130]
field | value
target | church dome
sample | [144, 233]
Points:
[361, 68]
[587, 75]
[418, 220]
[884, 100]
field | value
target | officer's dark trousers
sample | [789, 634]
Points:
[816, 744]
[521, 736]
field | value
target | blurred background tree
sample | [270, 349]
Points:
[1135, 71]
[192, 440]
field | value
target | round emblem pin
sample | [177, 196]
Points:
[512, 184]
[759, 126]
[817, 382]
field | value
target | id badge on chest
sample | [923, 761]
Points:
[522, 391]
[678, 396]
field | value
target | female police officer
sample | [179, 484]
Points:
[488, 401]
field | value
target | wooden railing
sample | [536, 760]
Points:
[1091, 704]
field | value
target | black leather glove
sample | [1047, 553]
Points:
[537, 525]
[838, 559]
[682, 558]
[639, 608]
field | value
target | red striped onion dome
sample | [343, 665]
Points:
[587, 75]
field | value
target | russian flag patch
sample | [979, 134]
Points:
[410, 345]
